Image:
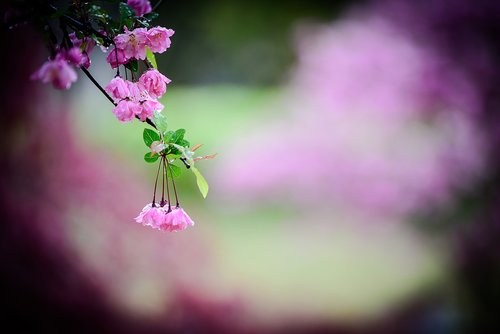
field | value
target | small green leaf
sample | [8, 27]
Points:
[167, 135]
[160, 121]
[177, 136]
[176, 171]
[149, 137]
[151, 57]
[126, 15]
[201, 182]
[183, 143]
[150, 159]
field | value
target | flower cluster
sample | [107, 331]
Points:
[164, 218]
[58, 70]
[133, 44]
[138, 99]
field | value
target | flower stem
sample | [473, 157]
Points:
[173, 184]
[165, 162]
[156, 182]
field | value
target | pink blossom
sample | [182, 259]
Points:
[158, 39]
[118, 89]
[140, 7]
[75, 56]
[56, 71]
[176, 220]
[154, 82]
[137, 91]
[151, 216]
[133, 43]
[126, 110]
[86, 46]
[116, 58]
[148, 109]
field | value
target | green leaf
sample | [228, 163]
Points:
[160, 121]
[183, 143]
[149, 137]
[150, 159]
[151, 57]
[168, 135]
[177, 136]
[151, 16]
[200, 181]
[126, 15]
[132, 65]
[176, 171]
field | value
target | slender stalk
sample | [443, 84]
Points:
[173, 184]
[165, 162]
[156, 182]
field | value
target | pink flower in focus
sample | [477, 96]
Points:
[148, 109]
[126, 110]
[154, 82]
[176, 220]
[116, 57]
[151, 216]
[137, 92]
[56, 71]
[158, 39]
[133, 43]
[118, 89]
[140, 7]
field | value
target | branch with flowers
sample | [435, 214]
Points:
[131, 41]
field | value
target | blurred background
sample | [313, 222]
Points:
[355, 190]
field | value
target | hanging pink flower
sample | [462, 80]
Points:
[118, 89]
[158, 39]
[148, 109]
[133, 43]
[151, 216]
[75, 56]
[57, 71]
[140, 7]
[137, 92]
[154, 82]
[126, 110]
[85, 45]
[176, 220]
[116, 57]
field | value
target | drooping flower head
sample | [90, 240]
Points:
[126, 110]
[57, 71]
[154, 82]
[116, 57]
[118, 89]
[176, 220]
[133, 43]
[148, 107]
[140, 7]
[158, 39]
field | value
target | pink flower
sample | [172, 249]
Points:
[176, 220]
[158, 39]
[148, 109]
[140, 7]
[75, 56]
[151, 216]
[133, 43]
[137, 92]
[154, 82]
[85, 46]
[116, 58]
[118, 89]
[56, 71]
[126, 110]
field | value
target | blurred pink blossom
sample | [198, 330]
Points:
[57, 71]
[140, 7]
[373, 122]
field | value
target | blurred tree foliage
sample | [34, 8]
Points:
[224, 41]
